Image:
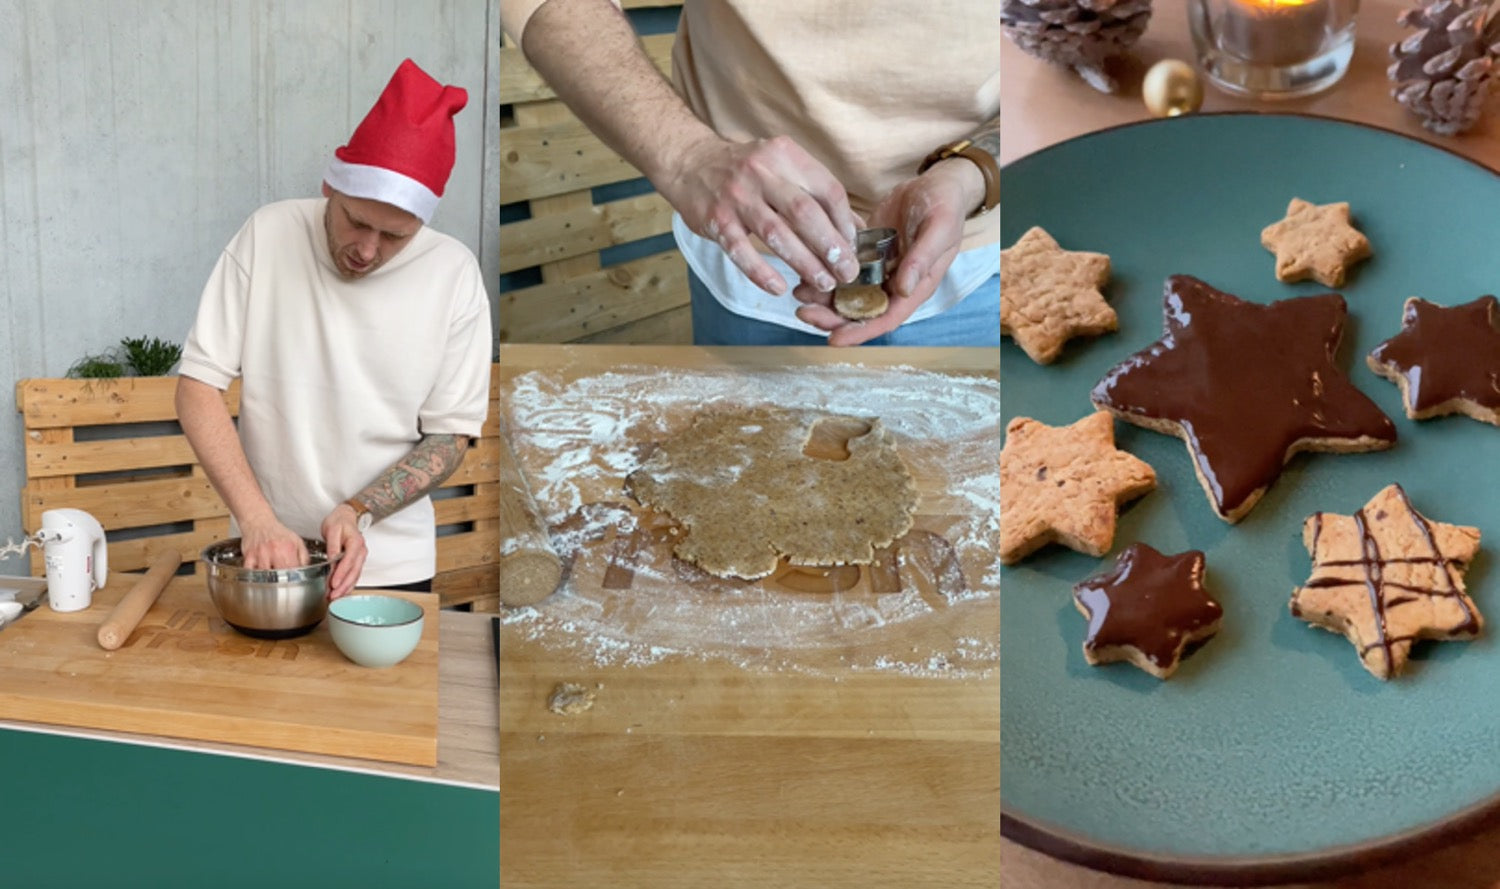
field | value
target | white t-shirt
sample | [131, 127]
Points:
[342, 378]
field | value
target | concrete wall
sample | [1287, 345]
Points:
[137, 135]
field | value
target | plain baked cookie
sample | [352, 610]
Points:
[1386, 577]
[1246, 386]
[1315, 241]
[746, 492]
[1049, 295]
[860, 302]
[1064, 484]
[1147, 609]
[1446, 359]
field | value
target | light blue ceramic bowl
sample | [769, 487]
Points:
[375, 631]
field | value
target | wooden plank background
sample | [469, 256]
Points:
[145, 486]
[550, 161]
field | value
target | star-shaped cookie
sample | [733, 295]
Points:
[1063, 484]
[1445, 359]
[1246, 386]
[1386, 577]
[1147, 609]
[1049, 295]
[1315, 241]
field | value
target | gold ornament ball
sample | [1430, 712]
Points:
[1171, 88]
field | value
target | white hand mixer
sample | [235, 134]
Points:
[72, 543]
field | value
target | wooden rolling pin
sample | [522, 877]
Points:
[129, 611]
[529, 568]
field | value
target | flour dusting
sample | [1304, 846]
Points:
[927, 609]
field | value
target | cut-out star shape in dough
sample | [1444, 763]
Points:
[1315, 241]
[1147, 609]
[1049, 295]
[1063, 484]
[1246, 386]
[1386, 577]
[1446, 360]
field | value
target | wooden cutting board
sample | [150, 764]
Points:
[184, 673]
[689, 772]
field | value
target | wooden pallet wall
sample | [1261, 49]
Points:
[551, 161]
[149, 485]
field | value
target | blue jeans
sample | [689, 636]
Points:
[973, 322]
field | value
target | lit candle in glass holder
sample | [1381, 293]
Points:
[1275, 32]
[1273, 48]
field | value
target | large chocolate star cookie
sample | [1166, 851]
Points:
[1246, 386]
[1147, 609]
[1445, 359]
[1386, 577]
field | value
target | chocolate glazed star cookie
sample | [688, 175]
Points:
[1147, 609]
[1246, 386]
[1446, 359]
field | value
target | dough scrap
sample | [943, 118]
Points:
[746, 494]
[570, 699]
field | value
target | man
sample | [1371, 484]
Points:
[363, 342]
[785, 113]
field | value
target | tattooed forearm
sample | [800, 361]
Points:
[416, 475]
[988, 138]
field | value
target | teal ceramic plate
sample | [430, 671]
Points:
[1271, 755]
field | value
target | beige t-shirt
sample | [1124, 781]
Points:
[340, 379]
[869, 88]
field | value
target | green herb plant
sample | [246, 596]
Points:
[104, 366]
[151, 358]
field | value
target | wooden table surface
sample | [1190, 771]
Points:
[1041, 105]
[467, 718]
[701, 773]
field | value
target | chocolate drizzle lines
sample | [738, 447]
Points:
[1374, 574]
[1374, 581]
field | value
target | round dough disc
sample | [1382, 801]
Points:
[858, 302]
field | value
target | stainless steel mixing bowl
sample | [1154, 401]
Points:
[264, 603]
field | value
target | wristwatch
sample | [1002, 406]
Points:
[981, 158]
[363, 518]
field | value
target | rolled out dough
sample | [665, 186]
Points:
[746, 494]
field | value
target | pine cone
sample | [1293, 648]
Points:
[1444, 71]
[1079, 34]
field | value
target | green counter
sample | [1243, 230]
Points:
[87, 813]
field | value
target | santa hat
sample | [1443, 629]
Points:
[402, 152]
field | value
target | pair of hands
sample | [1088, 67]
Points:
[272, 545]
[773, 189]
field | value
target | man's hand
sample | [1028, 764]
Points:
[774, 190]
[726, 191]
[345, 543]
[928, 215]
[270, 545]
